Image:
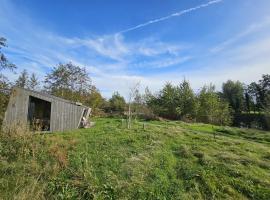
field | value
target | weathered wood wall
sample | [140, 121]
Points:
[65, 115]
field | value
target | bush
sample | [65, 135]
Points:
[252, 120]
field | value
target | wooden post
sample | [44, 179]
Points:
[122, 123]
[129, 115]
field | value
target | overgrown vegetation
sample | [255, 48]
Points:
[163, 160]
[4, 83]
[236, 104]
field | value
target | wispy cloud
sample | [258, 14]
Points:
[253, 28]
[107, 58]
[162, 63]
[115, 61]
[111, 46]
[177, 14]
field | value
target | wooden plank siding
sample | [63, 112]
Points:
[65, 115]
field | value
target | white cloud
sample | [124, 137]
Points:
[110, 58]
[111, 46]
[252, 29]
[177, 14]
[162, 63]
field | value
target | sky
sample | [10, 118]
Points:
[122, 42]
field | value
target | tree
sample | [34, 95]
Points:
[117, 103]
[173, 102]
[167, 101]
[4, 83]
[68, 81]
[4, 63]
[247, 100]
[253, 91]
[264, 93]
[33, 82]
[233, 92]
[134, 98]
[260, 92]
[22, 80]
[95, 99]
[211, 109]
[4, 96]
[186, 103]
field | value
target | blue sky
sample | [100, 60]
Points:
[122, 42]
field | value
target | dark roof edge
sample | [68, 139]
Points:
[50, 96]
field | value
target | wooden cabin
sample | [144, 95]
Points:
[44, 112]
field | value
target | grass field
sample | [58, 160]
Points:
[166, 160]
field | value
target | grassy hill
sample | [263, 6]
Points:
[166, 160]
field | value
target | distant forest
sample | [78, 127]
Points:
[236, 104]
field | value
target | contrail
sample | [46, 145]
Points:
[177, 14]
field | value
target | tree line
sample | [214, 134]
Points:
[175, 102]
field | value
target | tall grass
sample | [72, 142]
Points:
[28, 163]
[161, 160]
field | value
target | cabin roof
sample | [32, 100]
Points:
[50, 96]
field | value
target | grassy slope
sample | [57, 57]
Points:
[168, 160]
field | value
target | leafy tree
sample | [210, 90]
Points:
[22, 80]
[247, 100]
[186, 102]
[211, 109]
[166, 102]
[153, 102]
[264, 93]
[253, 91]
[260, 92]
[95, 99]
[117, 103]
[33, 82]
[4, 83]
[233, 92]
[4, 63]
[147, 97]
[68, 81]
[4, 96]
[173, 102]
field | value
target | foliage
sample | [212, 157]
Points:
[140, 108]
[117, 103]
[252, 120]
[211, 109]
[22, 80]
[4, 96]
[164, 103]
[233, 92]
[167, 101]
[68, 81]
[260, 92]
[4, 63]
[180, 102]
[4, 83]
[33, 82]
[166, 160]
[72, 82]
[186, 101]
[95, 100]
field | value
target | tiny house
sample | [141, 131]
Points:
[43, 111]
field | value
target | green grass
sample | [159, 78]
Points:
[167, 160]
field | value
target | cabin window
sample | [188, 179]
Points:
[39, 114]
